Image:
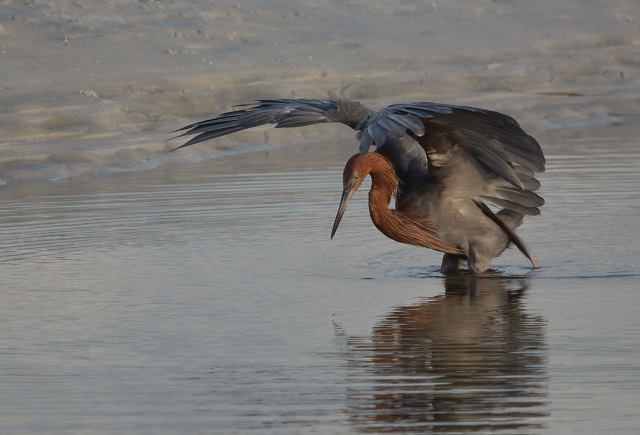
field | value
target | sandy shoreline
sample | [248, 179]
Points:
[95, 88]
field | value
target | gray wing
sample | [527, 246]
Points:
[506, 158]
[283, 113]
[493, 138]
[417, 137]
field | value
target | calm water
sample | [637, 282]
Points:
[198, 300]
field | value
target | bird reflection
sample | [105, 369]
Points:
[471, 359]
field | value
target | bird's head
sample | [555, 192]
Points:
[355, 171]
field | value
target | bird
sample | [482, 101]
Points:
[446, 166]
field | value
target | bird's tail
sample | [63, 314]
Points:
[513, 237]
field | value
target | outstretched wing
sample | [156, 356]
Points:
[503, 159]
[493, 138]
[416, 137]
[283, 113]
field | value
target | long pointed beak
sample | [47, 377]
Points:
[347, 193]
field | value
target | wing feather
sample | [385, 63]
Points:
[409, 121]
[439, 130]
[283, 113]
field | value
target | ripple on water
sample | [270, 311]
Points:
[189, 299]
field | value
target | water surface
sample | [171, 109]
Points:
[208, 298]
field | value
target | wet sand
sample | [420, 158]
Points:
[199, 292]
[95, 88]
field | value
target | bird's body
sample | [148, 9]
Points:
[431, 215]
[443, 164]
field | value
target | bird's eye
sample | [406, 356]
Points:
[356, 176]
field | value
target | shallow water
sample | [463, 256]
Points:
[195, 299]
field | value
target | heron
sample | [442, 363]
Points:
[448, 167]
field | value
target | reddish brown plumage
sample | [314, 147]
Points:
[402, 226]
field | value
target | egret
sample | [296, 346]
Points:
[444, 164]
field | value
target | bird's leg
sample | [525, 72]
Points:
[476, 261]
[450, 263]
